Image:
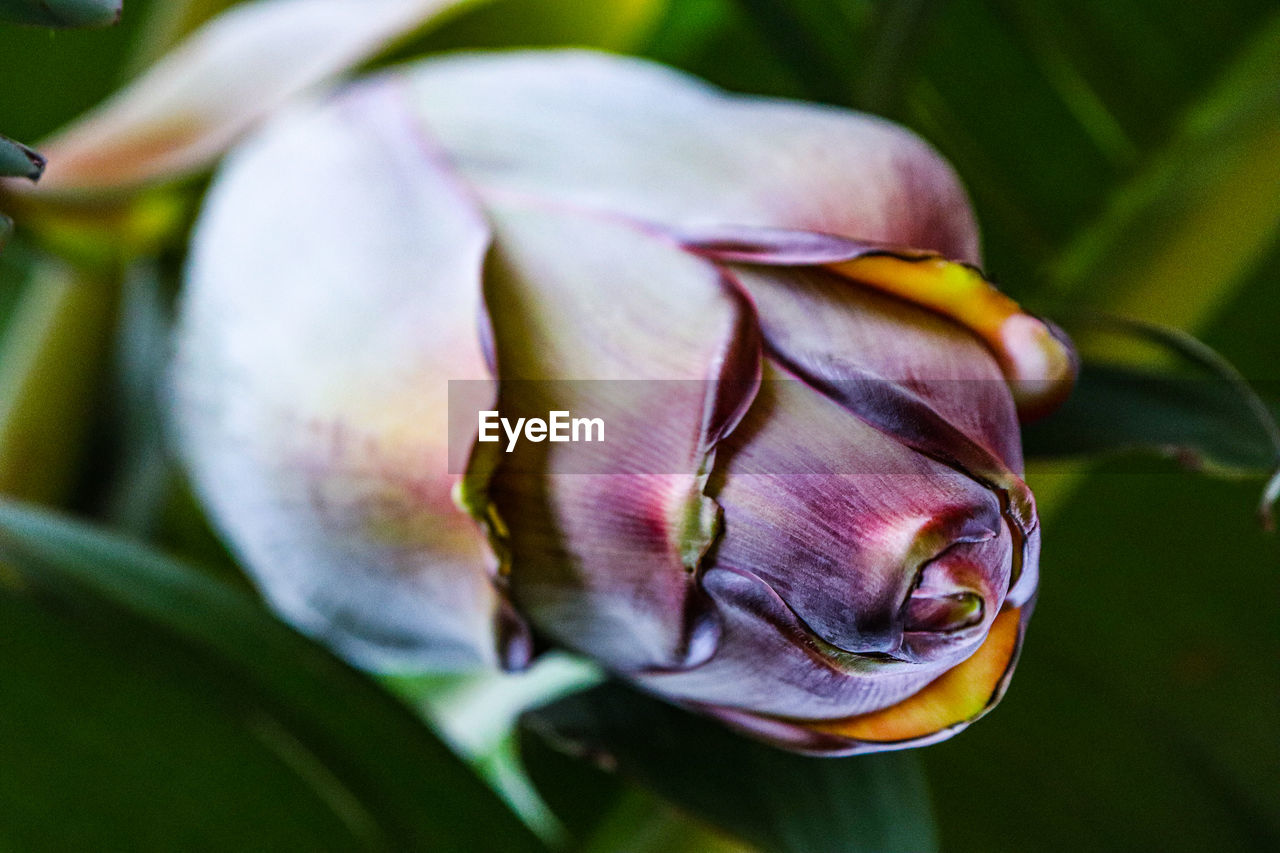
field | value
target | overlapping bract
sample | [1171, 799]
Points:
[822, 539]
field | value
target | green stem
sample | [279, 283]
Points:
[52, 364]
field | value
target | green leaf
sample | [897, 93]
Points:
[578, 793]
[1210, 419]
[773, 799]
[61, 13]
[1145, 714]
[604, 814]
[50, 79]
[717, 41]
[640, 822]
[1203, 423]
[147, 707]
[53, 357]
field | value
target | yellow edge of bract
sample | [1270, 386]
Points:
[1040, 367]
[955, 697]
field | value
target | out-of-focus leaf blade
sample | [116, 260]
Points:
[773, 799]
[617, 25]
[854, 52]
[603, 814]
[1101, 105]
[53, 358]
[578, 793]
[716, 40]
[1146, 709]
[1195, 406]
[61, 13]
[641, 822]
[51, 78]
[1114, 408]
[147, 707]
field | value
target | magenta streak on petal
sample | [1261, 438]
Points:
[736, 375]
[773, 246]
[898, 412]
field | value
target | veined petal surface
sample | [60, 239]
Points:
[598, 318]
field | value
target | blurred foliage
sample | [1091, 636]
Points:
[1123, 155]
[1151, 388]
[148, 707]
[775, 800]
[53, 76]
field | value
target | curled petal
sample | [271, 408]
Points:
[932, 713]
[597, 318]
[768, 661]
[188, 109]
[1035, 356]
[840, 519]
[954, 699]
[824, 327]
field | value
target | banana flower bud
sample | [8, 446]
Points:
[808, 517]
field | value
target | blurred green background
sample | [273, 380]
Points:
[1123, 155]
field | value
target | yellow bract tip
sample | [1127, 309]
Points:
[957, 696]
[1039, 366]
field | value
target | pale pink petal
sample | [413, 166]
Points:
[333, 290]
[192, 105]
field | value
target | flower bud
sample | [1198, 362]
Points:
[807, 516]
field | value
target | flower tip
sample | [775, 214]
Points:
[1040, 362]
[63, 14]
[1036, 357]
[19, 161]
[1270, 494]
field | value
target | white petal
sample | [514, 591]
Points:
[334, 288]
[188, 108]
[633, 137]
